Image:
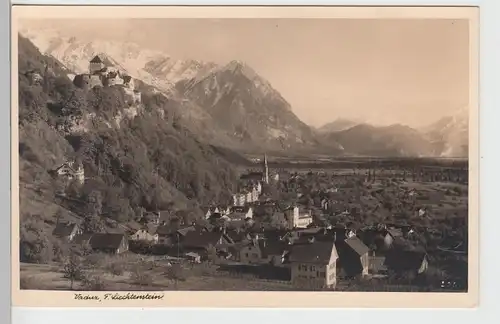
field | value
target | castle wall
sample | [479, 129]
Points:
[95, 81]
[82, 81]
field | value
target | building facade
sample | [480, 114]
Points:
[314, 265]
[297, 220]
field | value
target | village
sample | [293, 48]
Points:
[306, 230]
[368, 227]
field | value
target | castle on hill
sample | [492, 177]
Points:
[106, 75]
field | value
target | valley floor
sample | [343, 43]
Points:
[51, 277]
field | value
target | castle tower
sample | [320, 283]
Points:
[96, 64]
[265, 170]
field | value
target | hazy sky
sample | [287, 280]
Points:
[378, 70]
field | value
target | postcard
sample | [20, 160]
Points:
[245, 156]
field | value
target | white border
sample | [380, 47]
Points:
[489, 223]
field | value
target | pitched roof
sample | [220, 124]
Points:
[272, 247]
[309, 231]
[357, 245]
[96, 59]
[82, 238]
[106, 240]
[252, 175]
[237, 236]
[68, 165]
[185, 230]
[349, 258]
[317, 252]
[404, 260]
[200, 239]
[275, 234]
[395, 232]
[163, 230]
[63, 229]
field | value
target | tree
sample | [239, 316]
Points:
[34, 245]
[72, 190]
[92, 222]
[94, 203]
[175, 272]
[73, 269]
[60, 251]
[84, 249]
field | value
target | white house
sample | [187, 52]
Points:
[297, 220]
[145, 234]
[314, 265]
[71, 171]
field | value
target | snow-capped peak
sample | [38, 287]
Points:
[151, 66]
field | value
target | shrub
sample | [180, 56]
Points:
[93, 282]
[34, 245]
[140, 277]
[116, 268]
[94, 260]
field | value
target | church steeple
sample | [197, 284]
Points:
[265, 174]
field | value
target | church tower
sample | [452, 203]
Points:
[265, 170]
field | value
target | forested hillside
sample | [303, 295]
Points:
[136, 157]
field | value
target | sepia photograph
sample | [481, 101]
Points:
[279, 153]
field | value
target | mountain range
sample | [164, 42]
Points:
[338, 125]
[231, 105]
[447, 138]
[450, 135]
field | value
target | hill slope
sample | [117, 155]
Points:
[134, 157]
